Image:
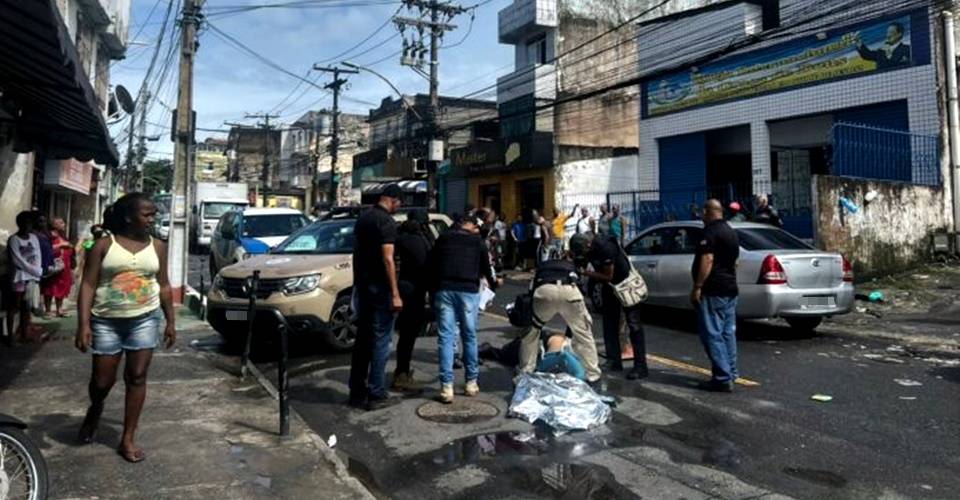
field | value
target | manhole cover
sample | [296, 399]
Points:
[462, 411]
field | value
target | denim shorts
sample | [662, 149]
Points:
[113, 335]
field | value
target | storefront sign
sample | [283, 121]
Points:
[71, 174]
[886, 44]
[530, 152]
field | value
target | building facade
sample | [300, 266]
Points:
[211, 160]
[779, 99]
[306, 155]
[56, 154]
[253, 157]
[398, 138]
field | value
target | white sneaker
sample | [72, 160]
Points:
[446, 393]
[472, 389]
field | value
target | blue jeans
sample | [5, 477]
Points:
[717, 322]
[372, 349]
[453, 307]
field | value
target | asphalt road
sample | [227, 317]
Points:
[889, 431]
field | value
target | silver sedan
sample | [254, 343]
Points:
[779, 275]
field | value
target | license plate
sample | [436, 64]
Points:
[236, 315]
[818, 301]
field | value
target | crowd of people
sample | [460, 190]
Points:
[406, 275]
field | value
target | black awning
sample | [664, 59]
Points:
[40, 73]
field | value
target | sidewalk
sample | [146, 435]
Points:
[206, 434]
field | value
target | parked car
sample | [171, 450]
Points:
[779, 275]
[241, 234]
[163, 227]
[305, 283]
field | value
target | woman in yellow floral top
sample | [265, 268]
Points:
[124, 298]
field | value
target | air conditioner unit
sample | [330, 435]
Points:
[419, 167]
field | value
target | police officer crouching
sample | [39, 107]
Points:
[556, 290]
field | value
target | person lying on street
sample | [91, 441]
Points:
[559, 359]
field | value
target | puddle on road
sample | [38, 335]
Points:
[537, 462]
[821, 477]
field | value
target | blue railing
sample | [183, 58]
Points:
[867, 152]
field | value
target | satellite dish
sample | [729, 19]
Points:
[126, 102]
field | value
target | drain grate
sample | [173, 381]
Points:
[462, 411]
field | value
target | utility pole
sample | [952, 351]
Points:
[413, 52]
[142, 102]
[335, 85]
[265, 152]
[183, 151]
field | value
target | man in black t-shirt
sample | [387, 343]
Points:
[377, 297]
[611, 266]
[714, 296]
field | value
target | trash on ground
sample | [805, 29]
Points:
[907, 382]
[560, 401]
[908, 398]
[921, 276]
[332, 441]
[823, 398]
[876, 296]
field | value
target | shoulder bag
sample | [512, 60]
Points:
[632, 290]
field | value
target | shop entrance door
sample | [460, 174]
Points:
[530, 194]
[490, 197]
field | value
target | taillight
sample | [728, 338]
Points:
[847, 270]
[771, 272]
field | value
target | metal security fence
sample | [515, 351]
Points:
[643, 209]
[869, 152]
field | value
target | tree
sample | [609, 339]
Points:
[157, 176]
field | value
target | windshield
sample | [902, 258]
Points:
[265, 226]
[216, 210]
[331, 237]
[769, 239]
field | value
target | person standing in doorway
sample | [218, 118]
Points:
[413, 247]
[125, 296]
[459, 260]
[611, 267]
[765, 213]
[518, 238]
[714, 296]
[57, 286]
[378, 300]
[23, 249]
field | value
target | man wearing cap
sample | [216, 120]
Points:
[377, 299]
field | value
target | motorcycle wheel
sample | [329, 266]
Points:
[23, 472]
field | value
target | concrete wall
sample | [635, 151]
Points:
[16, 189]
[587, 182]
[886, 235]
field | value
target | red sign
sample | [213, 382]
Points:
[69, 174]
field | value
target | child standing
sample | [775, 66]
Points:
[25, 259]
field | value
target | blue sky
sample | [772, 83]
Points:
[229, 83]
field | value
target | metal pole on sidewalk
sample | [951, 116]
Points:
[283, 382]
[252, 284]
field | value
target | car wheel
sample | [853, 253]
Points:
[804, 325]
[341, 333]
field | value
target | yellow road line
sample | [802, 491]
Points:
[695, 369]
[680, 365]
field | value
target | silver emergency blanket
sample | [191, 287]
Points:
[559, 400]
